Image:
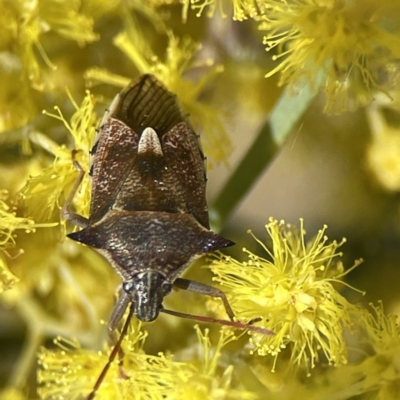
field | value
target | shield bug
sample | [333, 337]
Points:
[148, 211]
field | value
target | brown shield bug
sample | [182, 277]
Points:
[148, 211]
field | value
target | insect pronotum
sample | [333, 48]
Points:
[148, 210]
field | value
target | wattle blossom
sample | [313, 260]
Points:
[293, 293]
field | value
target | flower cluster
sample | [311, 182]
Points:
[352, 44]
[293, 294]
[71, 371]
[349, 48]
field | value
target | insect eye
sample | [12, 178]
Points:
[167, 287]
[128, 286]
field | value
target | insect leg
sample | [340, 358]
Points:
[202, 288]
[117, 314]
[234, 324]
[66, 213]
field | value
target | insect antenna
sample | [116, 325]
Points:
[113, 354]
[234, 324]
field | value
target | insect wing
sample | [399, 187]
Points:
[147, 157]
[114, 155]
[147, 103]
[186, 162]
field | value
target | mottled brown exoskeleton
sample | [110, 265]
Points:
[148, 211]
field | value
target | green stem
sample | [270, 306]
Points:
[39, 327]
[27, 359]
[283, 118]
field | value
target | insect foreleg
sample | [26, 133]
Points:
[117, 315]
[66, 213]
[202, 288]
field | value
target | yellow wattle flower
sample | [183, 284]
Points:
[350, 45]
[293, 293]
